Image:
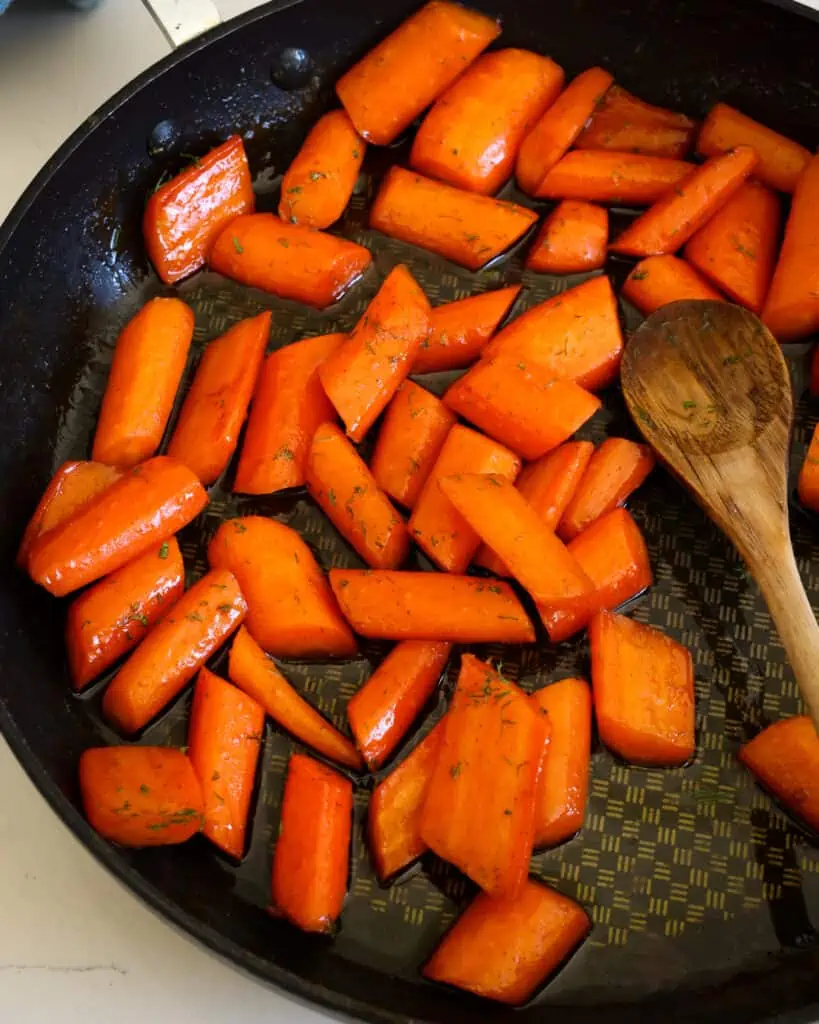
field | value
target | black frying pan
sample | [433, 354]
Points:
[703, 909]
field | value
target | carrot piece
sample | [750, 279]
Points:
[461, 226]
[109, 619]
[317, 186]
[224, 740]
[390, 86]
[435, 525]
[781, 160]
[558, 128]
[672, 220]
[791, 310]
[414, 429]
[630, 179]
[148, 363]
[785, 759]
[388, 605]
[461, 329]
[382, 711]
[615, 470]
[575, 335]
[505, 948]
[643, 685]
[288, 406]
[291, 611]
[257, 675]
[471, 136]
[625, 123]
[657, 280]
[146, 506]
[361, 376]
[141, 796]
[521, 405]
[174, 651]
[573, 239]
[737, 247]
[183, 217]
[479, 808]
[808, 484]
[289, 260]
[311, 862]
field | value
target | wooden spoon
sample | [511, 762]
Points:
[710, 391]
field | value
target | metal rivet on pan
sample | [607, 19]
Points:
[161, 138]
[292, 68]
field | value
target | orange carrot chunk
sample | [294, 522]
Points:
[808, 485]
[658, 280]
[625, 123]
[785, 759]
[573, 239]
[629, 179]
[643, 691]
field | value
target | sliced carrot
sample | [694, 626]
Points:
[224, 740]
[463, 227]
[630, 179]
[657, 280]
[291, 611]
[625, 123]
[288, 406]
[808, 485]
[141, 796]
[390, 86]
[361, 376]
[785, 759]
[573, 238]
[312, 857]
[148, 363]
[643, 691]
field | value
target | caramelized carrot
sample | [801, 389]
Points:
[808, 486]
[573, 239]
[174, 651]
[643, 691]
[224, 739]
[361, 376]
[141, 796]
[146, 506]
[390, 86]
[291, 611]
[785, 759]
[148, 363]
[630, 179]
[463, 227]
[657, 280]
[289, 260]
[627, 124]
[184, 216]
[312, 857]
[207, 431]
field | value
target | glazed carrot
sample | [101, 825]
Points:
[288, 406]
[207, 431]
[381, 712]
[657, 280]
[736, 248]
[146, 506]
[224, 740]
[414, 429]
[110, 618]
[781, 160]
[643, 685]
[471, 136]
[430, 606]
[148, 363]
[289, 260]
[814, 372]
[341, 484]
[312, 857]
[361, 376]
[183, 216]
[291, 611]
[257, 676]
[461, 329]
[573, 239]
[624, 123]
[505, 948]
[575, 335]
[390, 86]
[558, 128]
[630, 179]
[174, 651]
[435, 525]
[141, 796]
[463, 227]
[479, 808]
[521, 405]
[672, 220]
[615, 470]
[785, 759]
[317, 186]
[808, 485]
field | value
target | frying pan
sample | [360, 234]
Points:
[702, 892]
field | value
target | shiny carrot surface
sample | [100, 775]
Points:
[629, 179]
[785, 759]
[573, 239]
[657, 280]
[624, 123]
